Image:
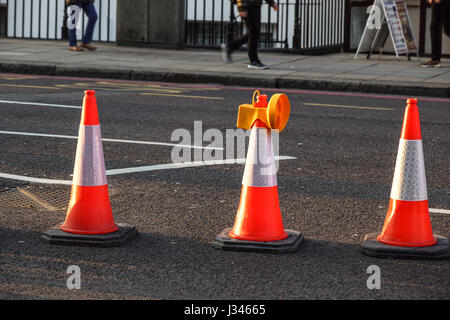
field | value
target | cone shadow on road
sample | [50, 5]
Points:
[287, 184]
[162, 266]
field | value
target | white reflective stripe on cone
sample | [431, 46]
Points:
[260, 162]
[409, 178]
[89, 162]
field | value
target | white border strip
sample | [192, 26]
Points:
[155, 143]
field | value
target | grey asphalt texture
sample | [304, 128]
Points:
[334, 192]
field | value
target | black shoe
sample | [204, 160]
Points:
[257, 65]
[226, 53]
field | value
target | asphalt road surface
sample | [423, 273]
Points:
[334, 189]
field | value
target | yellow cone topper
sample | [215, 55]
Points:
[274, 114]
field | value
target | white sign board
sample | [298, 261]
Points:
[394, 16]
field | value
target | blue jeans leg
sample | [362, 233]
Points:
[91, 13]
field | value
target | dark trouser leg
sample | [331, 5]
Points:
[91, 13]
[446, 18]
[238, 42]
[436, 33]
[253, 24]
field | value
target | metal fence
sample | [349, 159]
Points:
[302, 25]
[46, 19]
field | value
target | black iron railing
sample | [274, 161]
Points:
[3, 18]
[302, 25]
[46, 19]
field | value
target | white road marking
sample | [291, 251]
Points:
[155, 143]
[31, 179]
[439, 211]
[137, 169]
[183, 165]
[40, 104]
[167, 166]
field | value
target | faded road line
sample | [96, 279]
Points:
[155, 143]
[179, 96]
[347, 107]
[27, 86]
[40, 104]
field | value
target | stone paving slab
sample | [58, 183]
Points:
[338, 71]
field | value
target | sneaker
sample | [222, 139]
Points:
[226, 53]
[257, 65]
[431, 64]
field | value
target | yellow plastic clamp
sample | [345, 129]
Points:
[275, 116]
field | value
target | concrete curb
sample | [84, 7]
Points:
[281, 82]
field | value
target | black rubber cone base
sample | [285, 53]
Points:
[370, 246]
[291, 244]
[56, 236]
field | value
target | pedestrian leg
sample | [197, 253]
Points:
[89, 10]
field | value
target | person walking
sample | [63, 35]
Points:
[89, 9]
[250, 11]
[440, 19]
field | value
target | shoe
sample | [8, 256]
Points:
[257, 65]
[88, 46]
[76, 48]
[431, 64]
[226, 53]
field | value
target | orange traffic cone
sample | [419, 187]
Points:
[258, 224]
[407, 231]
[259, 217]
[89, 219]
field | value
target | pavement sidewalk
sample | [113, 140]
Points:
[335, 72]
